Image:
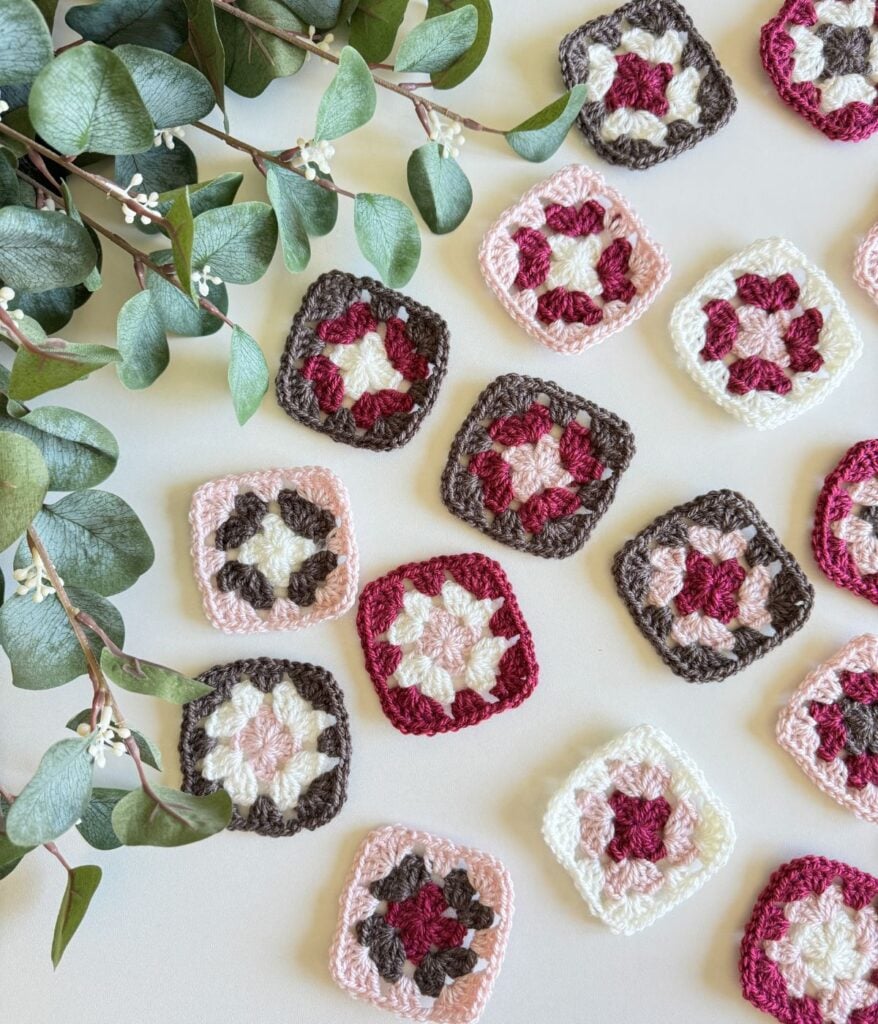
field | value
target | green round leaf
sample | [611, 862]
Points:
[24, 480]
[206, 195]
[538, 137]
[178, 314]
[181, 226]
[10, 854]
[175, 819]
[55, 797]
[468, 61]
[141, 341]
[163, 169]
[160, 24]
[95, 827]
[27, 43]
[374, 25]
[40, 249]
[86, 100]
[236, 242]
[254, 58]
[436, 43]
[320, 13]
[207, 48]
[440, 189]
[248, 374]
[51, 309]
[56, 363]
[139, 676]
[303, 208]
[82, 883]
[349, 101]
[174, 93]
[387, 236]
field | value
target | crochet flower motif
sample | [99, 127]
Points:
[810, 950]
[535, 466]
[362, 363]
[638, 829]
[445, 643]
[711, 587]
[654, 86]
[274, 736]
[571, 262]
[423, 926]
[766, 334]
[822, 56]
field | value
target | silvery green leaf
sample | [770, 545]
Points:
[42, 249]
[302, 208]
[24, 480]
[160, 24]
[254, 58]
[374, 25]
[440, 189]
[388, 236]
[470, 59]
[82, 883]
[538, 137]
[349, 100]
[27, 43]
[236, 242]
[95, 827]
[437, 43]
[55, 798]
[141, 341]
[248, 374]
[54, 364]
[207, 46]
[174, 93]
[173, 819]
[178, 313]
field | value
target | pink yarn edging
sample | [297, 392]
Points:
[866, 264]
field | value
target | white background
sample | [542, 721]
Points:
[238, 928]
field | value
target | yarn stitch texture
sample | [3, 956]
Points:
[844, 538]
[571, 262]
[655, 87]
[822, 56]
[362, 363]
[830, 726]
[638, 828]
[274, 735]
[711, 587]
[766, 335]
[810, 951]
[423, 925]
[535, 466]
[445, 643]
[274, 549]
[866, 264]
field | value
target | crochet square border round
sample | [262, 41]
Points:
[535, 466]
[571, 262]
[822, 56]
[274, 734]
[362, 363]
[711, 587]
[450, 909]
[866, 264]
[240, 545]
[638, 828]
[445, 643]
[789, 316]
[843, 540]
[827, 726]
[655, 86]
[808, 903]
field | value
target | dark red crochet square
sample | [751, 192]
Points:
[445, 643]
[535, 466]
[362, 363]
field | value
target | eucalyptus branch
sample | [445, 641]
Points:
[51, 847]
[15, 334]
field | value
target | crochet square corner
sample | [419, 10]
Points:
[829, 727]
[535, 466]
[766, 335]
[822, 56]
[274, 735]
[362, 363]
[638, 828]
[445, 643]
[844, 538]
[423, 926]
[711, 587]
[274, 549]
[571, 262]
[654, 85]
[810, 949]
[866, 264]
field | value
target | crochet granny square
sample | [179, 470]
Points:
[638, 828]
[711, 587]
[655, 87]
[866, 264]
[535, 466]
[571, 262]
[822, 56]
[844, 539]
[766, 334]
[274, 735]
[830, 726]
[362, 363]
[810, 950]
[274, 549]
[423, 925]
[445, 642]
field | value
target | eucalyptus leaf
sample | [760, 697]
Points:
[178, 313]
[468, 61]
[24, 480]
[7, 869]
[349, 100]
[387, 236]
[236, 242]
[41, 249]
[8, 180]
[438, 42]
[55, 363]
[374, 25]
[181, 224]
[163, 170]
[141, 341]
[95, 540]
[174, 820]
[93, 281]
[52, 309]
[48, 9]
[82, 883]
[207, 46]
[85, 100]
[9, 852]
[206, 195]
[149, 752]
[320, 13]
[139, 676]
[302, 208]
[174, 93]
[538, 137]
[55, 798]
[95, 827]
[27, 42]
[440, 189]
[254, 58]
[248, 374]
[160, 24]
[346, 11]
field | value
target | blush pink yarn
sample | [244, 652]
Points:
[866, 264]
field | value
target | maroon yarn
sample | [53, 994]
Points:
[829, 722]
[552, 503]
[754, 373]
[860, 686]
[639, 826]
[526, 428]
[421, 923]
[612, 270]
[772, 295]
[575, 449]
[640, 85]
[571, 307]
[710, 588]
[356, 321]
[801, 339]
[402, 353]
[327, 382]
[534, 257]
[587, 219]
[495, 474]
[722, 329]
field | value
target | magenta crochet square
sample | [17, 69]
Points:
[830, 726]
[844, 539]
[810, 951]
[274, 549]
[571, 262]
[423, 926]
[866, 264]
[445, 643]
[822, 56]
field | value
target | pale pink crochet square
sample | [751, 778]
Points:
[274, 549]
[423, 926]
[571, 262]
[866, 264]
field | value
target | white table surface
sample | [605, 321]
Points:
[238, 928]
